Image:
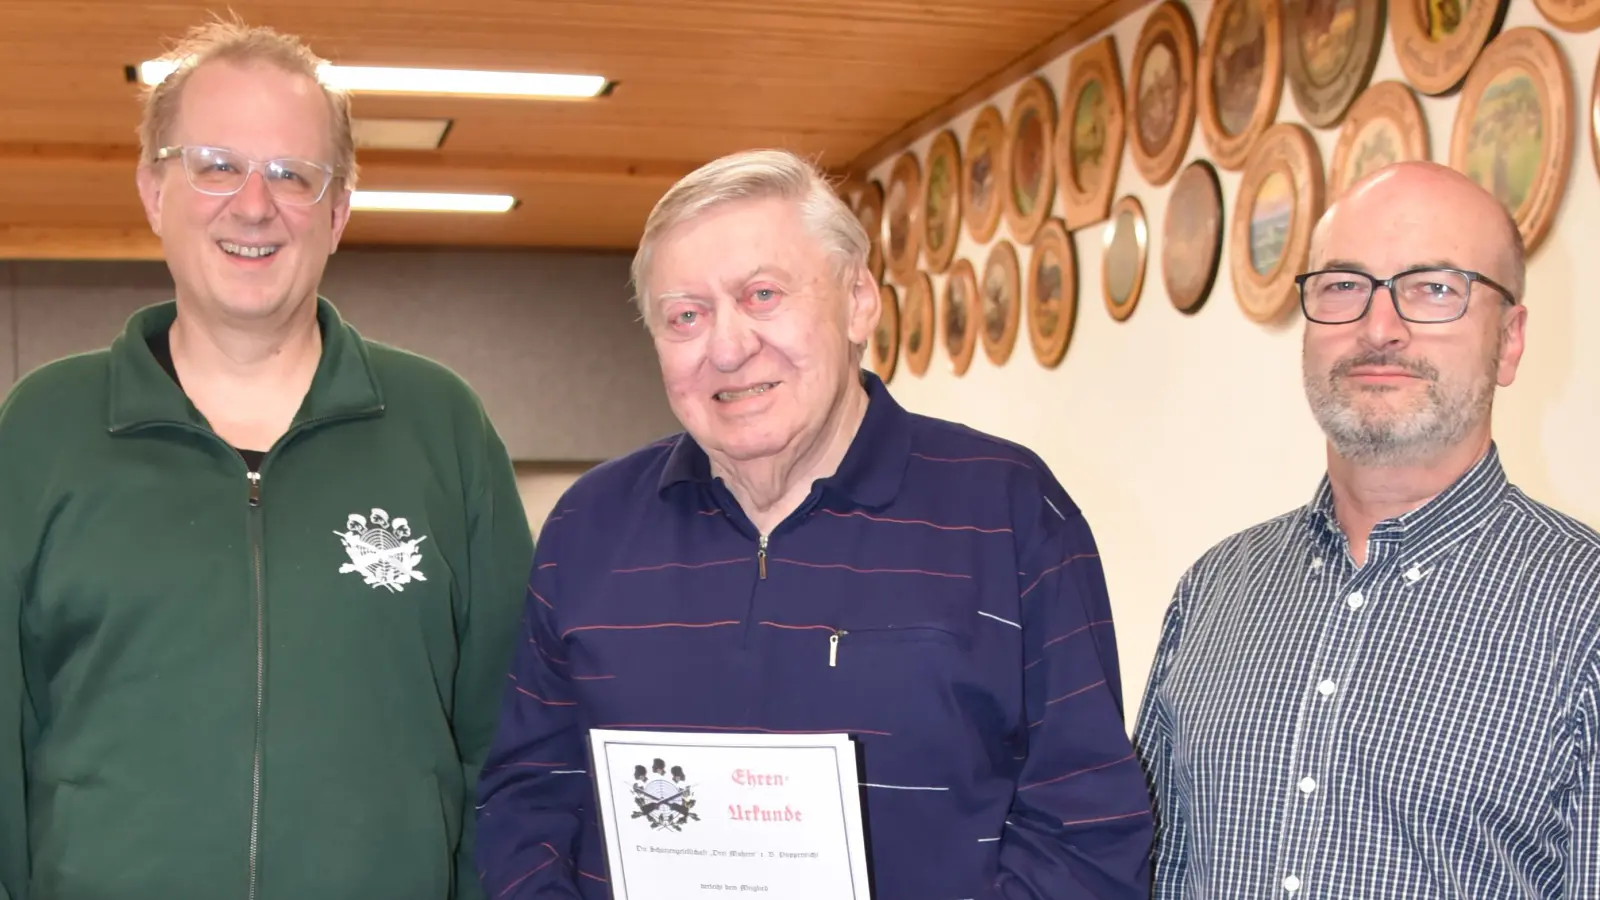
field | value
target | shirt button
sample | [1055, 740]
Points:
[1291, 884]
[1355, 600]
[1327, 687]
[1307, 785]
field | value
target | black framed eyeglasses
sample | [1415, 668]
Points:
[1431, 295]
[221, 172]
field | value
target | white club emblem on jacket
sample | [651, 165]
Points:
[383, 552]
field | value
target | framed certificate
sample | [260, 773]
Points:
[712, 815]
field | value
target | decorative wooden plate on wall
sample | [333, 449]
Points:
[941, 202]
[1330, 48]
[1437, 42]
[1571, 15]
[1280, 199]
[1161, 92]
[1594, 117]
[958, 316]
[1090, 135]
[902, 211]
[918, 330]
[1127, 248]
[1385, 126]
[1052, 293]
[1002, 302]
[885, 348]
[983, 175]
[1513, 131]
[1240, 78]
[1030, 176]
[849, 190]
[869, 210]
[1191, 237]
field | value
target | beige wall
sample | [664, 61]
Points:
[549, 340]
[541, 485]
[1172, 432]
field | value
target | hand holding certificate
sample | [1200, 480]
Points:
[701, 815]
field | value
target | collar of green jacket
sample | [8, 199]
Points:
[142, 393]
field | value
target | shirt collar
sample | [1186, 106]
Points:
[142, 393]
[1458, 509]
[871, 471]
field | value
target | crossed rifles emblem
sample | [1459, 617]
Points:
[383, 552]
[664, 803]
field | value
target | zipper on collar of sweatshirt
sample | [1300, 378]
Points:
[260, 602]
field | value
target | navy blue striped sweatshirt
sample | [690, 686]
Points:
[940, 598]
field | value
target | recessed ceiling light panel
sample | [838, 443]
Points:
[399, 134]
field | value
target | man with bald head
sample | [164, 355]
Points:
[1394, 690]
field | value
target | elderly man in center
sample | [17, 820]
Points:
[808, 556]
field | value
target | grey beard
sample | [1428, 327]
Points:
[1406, 437]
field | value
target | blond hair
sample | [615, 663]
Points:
[755, 175]
[236, 42]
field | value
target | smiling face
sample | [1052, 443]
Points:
[246, 256]
[1391, 392]
[758, 336]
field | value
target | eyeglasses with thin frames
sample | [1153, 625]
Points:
[221, 172]
[1431, 295]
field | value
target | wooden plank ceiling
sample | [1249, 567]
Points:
[841, 80]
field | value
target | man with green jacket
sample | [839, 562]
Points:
[259, 578]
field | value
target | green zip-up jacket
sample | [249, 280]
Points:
[234, 688]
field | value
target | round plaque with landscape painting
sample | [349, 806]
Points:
[1001, 290]
[958, 316]
[1438, 41]
[1240, 77]
[1571, 15]
[902, 211]
[1052, 293]
[1161, 92]
[1030, 184]
[983, 174]
[1384, 126]
[918, 328]
[869, 210]
[1330, 48]
[1280, 198]
[885, 349]
[1089, 138]
[941, 202]
[1513, 131]
[1191, 237]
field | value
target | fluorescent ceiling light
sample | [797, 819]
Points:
[374, 79]
[406, 201]
[457, 81]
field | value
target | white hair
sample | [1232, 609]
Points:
[755, 175]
